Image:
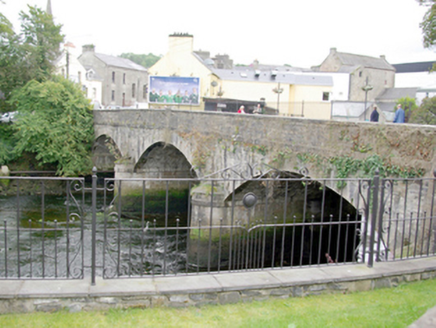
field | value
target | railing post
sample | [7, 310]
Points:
[94, 220]
[374, 206]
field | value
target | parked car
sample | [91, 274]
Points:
[8, 117]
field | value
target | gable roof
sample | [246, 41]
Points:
[414, 67]
[365, 61]
[251, 75]
[397, 93]
[120, 62]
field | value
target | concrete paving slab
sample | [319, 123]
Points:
[293, 277]
[347, 272]
[401, 267]
[187, 284]
[123, 287]
[54, 288]
[428, 320]
[247, 280]
[9, 288]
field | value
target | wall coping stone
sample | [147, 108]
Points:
[195, 290]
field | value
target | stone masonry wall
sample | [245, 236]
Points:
[177, 300]
[214, 140]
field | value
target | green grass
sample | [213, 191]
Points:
[394, 307]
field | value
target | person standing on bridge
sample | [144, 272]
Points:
[258, 109]
[241, 110]
[399, 115]
[374, 115]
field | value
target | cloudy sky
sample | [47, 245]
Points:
[299, 33]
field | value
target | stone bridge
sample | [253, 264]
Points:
[209, 142]
[184, 144]
[212, 141]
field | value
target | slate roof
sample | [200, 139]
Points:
[414, 67]
[397, 93]
[280, 68]
[249, 75]
[120, 62]
[365, 61]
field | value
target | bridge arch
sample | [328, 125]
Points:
[163, 160]
[105, 152]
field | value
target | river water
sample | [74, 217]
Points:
[50, 237]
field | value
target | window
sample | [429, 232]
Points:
[113, 77]
[124, 78]
[325, 96]
[133, 90]
[144, 91]
[113, 95]
[360, 74]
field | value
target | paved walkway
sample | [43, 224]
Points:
[76, 295]
[428, 320]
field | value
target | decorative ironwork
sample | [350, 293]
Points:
[249, 171]
[275, 220]
[249, 200]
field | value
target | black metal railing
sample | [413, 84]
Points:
[42, 235]
[56, 228]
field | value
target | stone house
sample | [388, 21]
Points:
[362, 71]
[125, 83]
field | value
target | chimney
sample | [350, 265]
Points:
[88, 48]
[181, 42]
[332, 51]
[383, 57]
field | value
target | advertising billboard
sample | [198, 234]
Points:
[174, 90]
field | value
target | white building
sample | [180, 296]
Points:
[69, 67]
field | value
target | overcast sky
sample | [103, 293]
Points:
[299, 33]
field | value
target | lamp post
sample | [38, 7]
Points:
[278, 90]
[367, 87]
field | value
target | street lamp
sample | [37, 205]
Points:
[367, 87]
[278, 90]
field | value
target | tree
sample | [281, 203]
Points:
[428, 23]
[41, 42]
[426, 113]
[143, 60]
[29, 54]
[55, 123]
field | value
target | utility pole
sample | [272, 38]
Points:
[366, 88]
[278, 90]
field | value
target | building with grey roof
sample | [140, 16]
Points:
[124, 82]
[377, 71]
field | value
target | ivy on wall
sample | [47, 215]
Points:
[346, 166]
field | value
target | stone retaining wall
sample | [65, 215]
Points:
[22, 304]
